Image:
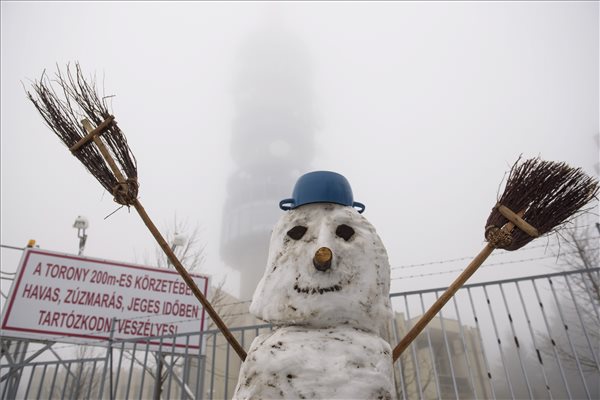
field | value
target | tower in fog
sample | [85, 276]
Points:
[272, 143]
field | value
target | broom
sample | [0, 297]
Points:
[539, 197]
[100, 145]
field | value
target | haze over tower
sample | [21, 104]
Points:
[272, 143]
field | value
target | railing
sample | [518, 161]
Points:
[532, 337]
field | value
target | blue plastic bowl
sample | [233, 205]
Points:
[321, 187]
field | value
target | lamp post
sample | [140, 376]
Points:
[81, 224]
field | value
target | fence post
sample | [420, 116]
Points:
[200, 363]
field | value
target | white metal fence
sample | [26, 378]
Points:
[532, 337]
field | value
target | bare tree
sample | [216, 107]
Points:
[81, 378]
[192, 256]
[583, 290]
[86, 379]
[570, 346]
[191, 253]
[563, 353]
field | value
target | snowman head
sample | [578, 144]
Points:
[327, 267]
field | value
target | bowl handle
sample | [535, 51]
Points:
[286, 204]
[360, 206]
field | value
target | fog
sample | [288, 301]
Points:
[423, 107]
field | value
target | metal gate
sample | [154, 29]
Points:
[533, 337]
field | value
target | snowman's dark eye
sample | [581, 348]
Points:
[297, 232]
[345, 232]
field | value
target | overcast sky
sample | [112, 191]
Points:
[422, 106]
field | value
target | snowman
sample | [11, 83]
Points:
[325, 289]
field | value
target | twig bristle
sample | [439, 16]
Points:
[547, 194]
[63, 113]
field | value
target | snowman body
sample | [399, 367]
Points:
[327, 312]
[295, 362]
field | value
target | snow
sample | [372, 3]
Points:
[296, 363]
[326, 343]
[353, 292]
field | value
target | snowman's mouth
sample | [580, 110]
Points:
[318, 289]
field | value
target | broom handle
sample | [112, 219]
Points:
[441, 301]
[165, 247]
[189, 281]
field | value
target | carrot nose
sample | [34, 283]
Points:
[322, 259]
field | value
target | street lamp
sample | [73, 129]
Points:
[178, 240]
[81, 224]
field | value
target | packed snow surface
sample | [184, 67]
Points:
[327, 318]
[354, 291]
[307, 363]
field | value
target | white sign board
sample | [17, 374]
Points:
[74, 299]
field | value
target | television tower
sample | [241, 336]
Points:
[272, 144]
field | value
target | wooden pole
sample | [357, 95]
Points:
[189, 281]
[442, 300]
[518, 221]
[165, 246]
[451, 291]
[92, 133]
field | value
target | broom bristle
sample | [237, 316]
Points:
[545, 194]
[63, 114]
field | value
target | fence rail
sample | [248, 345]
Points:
[530, 337]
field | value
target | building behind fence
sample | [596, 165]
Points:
[534, 337]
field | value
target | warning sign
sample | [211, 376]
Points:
[79, 299]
